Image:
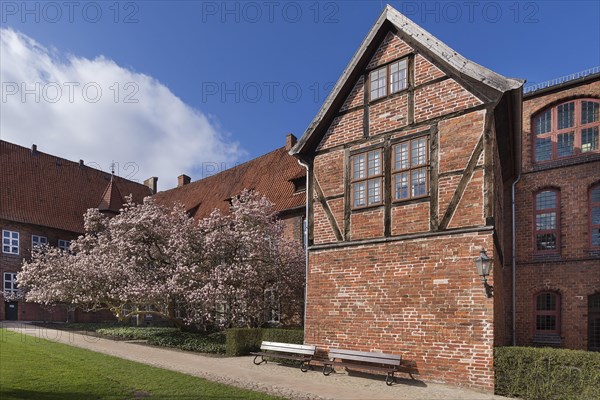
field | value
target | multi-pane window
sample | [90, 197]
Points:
[565, 130]
[64, 245]
[391, 78]
[595, 216]
[397, 76]
[38, 241]
[547, 222]
[272, 313]
[378, 83]
[10, 242]
[547, 312]
[410, 173]
[367, 179]
[10, 282]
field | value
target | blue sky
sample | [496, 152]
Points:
[257, 70]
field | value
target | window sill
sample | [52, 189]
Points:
[389, 96]
[367, 208]
[550, 256]
[413, 200]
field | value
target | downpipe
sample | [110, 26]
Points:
[514, 261]
[305, 234]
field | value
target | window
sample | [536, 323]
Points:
[410, 177]
[10, 282]
[547, 312]
[272, 306]
[594, 322]
[566, 130]
[38, 241]
[64, 245]
[395, 73]
[595, 216]
[367, 174]
[378, 83]
[10, 242]
[546, 229]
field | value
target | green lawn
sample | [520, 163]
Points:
[32, 368]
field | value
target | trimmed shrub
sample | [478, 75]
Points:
[546, 373]
[284, 335]
[241, 341]
[170, 337]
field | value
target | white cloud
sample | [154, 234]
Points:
[161, 134]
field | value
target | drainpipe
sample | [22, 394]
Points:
[305, 233]
[514, 262]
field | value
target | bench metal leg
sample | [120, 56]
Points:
[258, 363]
[305, 366]
[327, 369]
[389, 379]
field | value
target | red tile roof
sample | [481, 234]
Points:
[270, 175]
[42, 189]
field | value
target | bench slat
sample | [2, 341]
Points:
[365, 356]
[288, 348]
[284, 356]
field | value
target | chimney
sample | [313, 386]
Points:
[81, 163]
[151, 183]
[183, 180]
[290, 141]
[34, 149]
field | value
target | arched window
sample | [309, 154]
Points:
[547, 221]
[594, 322]
[566, 130]
[547, 313]
[595, 216]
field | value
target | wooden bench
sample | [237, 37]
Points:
[365, 360]
[286, 351]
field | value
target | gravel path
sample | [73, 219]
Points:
[270, 378]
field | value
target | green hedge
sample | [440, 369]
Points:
[283, 335]
[242, 341]
[547, 374]
[170, 337]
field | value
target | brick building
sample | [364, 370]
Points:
[407, 163]
[42, 201]
[558, 217]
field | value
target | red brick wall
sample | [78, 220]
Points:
[420, 298]
[12, 263]
[574, 272]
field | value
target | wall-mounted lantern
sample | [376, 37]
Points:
[484, 265]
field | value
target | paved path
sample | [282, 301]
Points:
[270, 378]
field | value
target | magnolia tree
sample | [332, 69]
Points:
[126, 264]
[152, 259]
[249, 269]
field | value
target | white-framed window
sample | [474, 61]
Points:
[38, 241]
[378, 83]
[272, 303]
[367, 179]
[9, 282]
[388, 79]
[397, 76]
[10, 242]
[64, 244]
